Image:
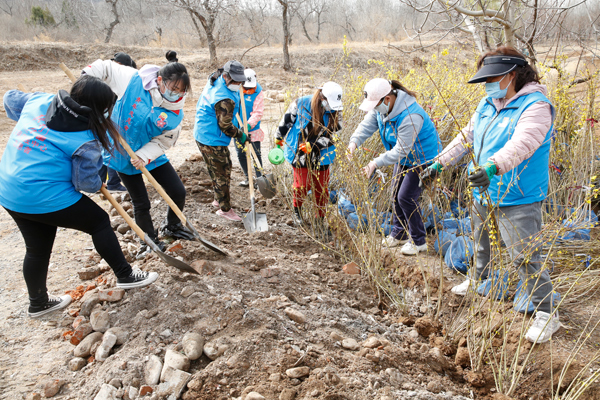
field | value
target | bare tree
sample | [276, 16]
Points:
[285, 8]
[204, 13]
[114, 22]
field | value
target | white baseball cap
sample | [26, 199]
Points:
[375, 90]
[333, 93]
[250, 81]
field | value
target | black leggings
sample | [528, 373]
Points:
[39, 231]
[166, 176]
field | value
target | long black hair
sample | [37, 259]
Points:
[175, 72]
[93, 93]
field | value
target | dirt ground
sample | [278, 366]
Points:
[245, 305]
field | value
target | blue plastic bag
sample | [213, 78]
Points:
[445, 238]
[459, 255]
[356, 223]
[523, 304]
[496, 284]
[345, 206]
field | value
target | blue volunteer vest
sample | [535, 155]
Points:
[427, 144]
[35, 170]
[139, 121]
[293, 136]
[206, 127]
[249, 99]
[528, 182]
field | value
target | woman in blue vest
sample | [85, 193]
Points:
[214, 128]
[255, 107]
[306, 130]
[510, 134]
[411, 143]
[149, 112]
[53, 153]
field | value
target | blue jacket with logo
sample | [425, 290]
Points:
[249, 99]
[427, 144]
[206, 126]
[292, 138]
[139, 121]
[528, 182]
[37, 173]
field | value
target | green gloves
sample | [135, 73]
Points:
[481, 177]
[243, 139]
[430, 174]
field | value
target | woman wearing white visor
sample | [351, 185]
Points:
[411, 143]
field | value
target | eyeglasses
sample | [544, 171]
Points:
[174, 92]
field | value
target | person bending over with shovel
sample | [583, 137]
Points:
[510, 134]
[53, 153]
[149, 112]
[216, 109]
[306, 129]
[411, 142]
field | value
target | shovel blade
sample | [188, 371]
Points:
[255, 222]
[167, 258]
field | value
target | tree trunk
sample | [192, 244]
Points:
[287, 65]
[208, 27]
[114, 23]
[212, 49]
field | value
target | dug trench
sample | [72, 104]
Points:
[277, 318]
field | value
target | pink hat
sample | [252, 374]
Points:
[375, 90]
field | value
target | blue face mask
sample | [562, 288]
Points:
[493, 89]
[170, 95]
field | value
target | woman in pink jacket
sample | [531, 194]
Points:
[510, 136]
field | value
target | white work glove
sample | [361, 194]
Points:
[350, 151]
[369, 169]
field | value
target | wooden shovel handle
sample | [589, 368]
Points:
[154, 183]
[123, 213]
[248, 145]
[68, 72]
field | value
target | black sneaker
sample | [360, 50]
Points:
[54, 303]
[137, 279]
[144, 249]
[177, 231]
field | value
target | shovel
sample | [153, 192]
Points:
[156, 185]
[171, 203]
[144, 236]
[253, 221]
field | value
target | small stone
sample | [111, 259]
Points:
[152, 371]
[426, 326]
[116, 383]
[396, 377]
[371, 343]
[351, 268]
[100, 320]
[88, 273]
[107, 392]
[108, 341]
[202, 266]
[52, 387]
[174, 360]
[34, 396]
[436, 360]
[76, 363]
[80, 333]
[350, 344]
[175, 247]
[314, 256]
[111, 294]
[123, 228]
[269, 272]
[336, 336]
[295, 315]
[121, 334]
[287, 394]
[166, 333]
[413, 333]
[463, 358]
[254, 396]
[297, 372]
[374, 357]
[275, 377]
[83, 349]
[435, 386]
[131, 393]
[79, 320]
[88, 304]
[213, 351]
[175, 381]
[187, 291]
[144, 390]
[192, 345]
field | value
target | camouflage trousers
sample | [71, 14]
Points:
[218, 163]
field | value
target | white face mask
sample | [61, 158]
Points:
[382, 108]
[233, 88]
